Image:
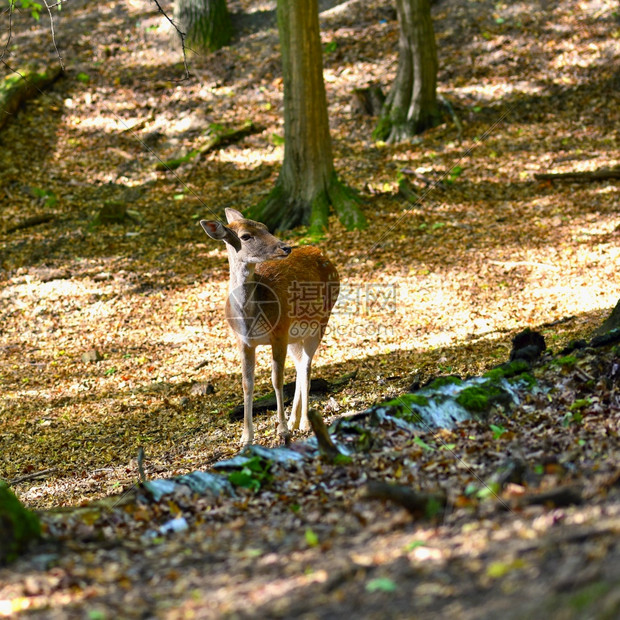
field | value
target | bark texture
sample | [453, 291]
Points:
[411, 106]
[307, 184]
[206, 23]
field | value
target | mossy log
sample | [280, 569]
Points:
[217, 136]
[22, 85]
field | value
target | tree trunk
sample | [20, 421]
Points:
[206, 23]
[411, 106]
[611, 322]
[307, 183]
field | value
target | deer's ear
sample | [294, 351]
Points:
[216, 230]
[233, 214]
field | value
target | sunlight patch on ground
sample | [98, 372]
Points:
[492, 91]
[250, 158]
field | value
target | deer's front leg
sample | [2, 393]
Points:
[278, 352]
[248, 358]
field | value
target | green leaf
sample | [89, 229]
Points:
[83, 77]
[448, 446]
[422, 443]
[498, 431]
[414, 544]
[312, 539]
[381, 584]
[471, 489]
[244, 480]
[454, 174]
[277, 140]
[490, 489]
[580, 403]
[499, 569]
[255, 473]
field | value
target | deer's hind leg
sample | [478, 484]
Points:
[302, 356]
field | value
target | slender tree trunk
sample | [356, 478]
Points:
[411, 106]
[307, 183]
[206, 23]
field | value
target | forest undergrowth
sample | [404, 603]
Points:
[112, 334]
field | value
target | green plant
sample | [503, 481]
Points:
[454, 174]
[572, 418]
[255, 474]
[46, 196]
[381, 584]
[567, 361]
[498, 431]
[422, 443]
[311, 538]
[34, 7]
[580, 403]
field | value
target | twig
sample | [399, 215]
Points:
[53, 32]
[8, 42]
[33, 476]
[181, 34]
[326, 446]
[202, 364]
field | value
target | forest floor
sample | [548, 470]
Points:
[432, 287]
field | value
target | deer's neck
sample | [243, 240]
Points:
[241, 281]
[240, 274]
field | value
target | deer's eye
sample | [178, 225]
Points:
[246, 237]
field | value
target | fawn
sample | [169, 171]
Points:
[278, 296]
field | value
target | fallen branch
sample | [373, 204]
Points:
[263, 174]
[417, 503]
[33, 476]
[217, 136]
[30, 222]
[586, 175]
[560, 497]
[327, 447]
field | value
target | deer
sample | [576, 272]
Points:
[280, 296]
